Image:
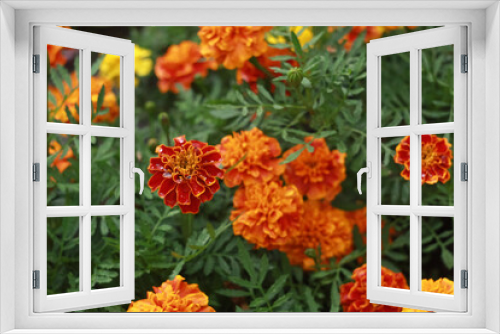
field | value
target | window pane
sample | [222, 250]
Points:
[63, 255]
[437, 170]
[105, 171]
[395, 251]
[63, 93]
[437, 84]
[395, 95]
[437, 254]
[63, 170]
[105, 89]
[105, 252]
[395, 176]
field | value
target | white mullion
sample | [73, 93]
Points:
[108, 131]
[421, 129]
[80, 130]
[434, 128]
[67, 129]
[415, 178]
[392, 210]
[86, 111]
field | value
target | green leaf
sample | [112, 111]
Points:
[335, 296]
[296, 45]
[246, 261]
[100, 98]
[447, 258]
[292, 156]
[259, 301]
[96, 65]
[281, 300]
[70, 115]
[282, 58]
[211, 231]
[265, 93]
[56, 80]
[306, 83]
[209, 266]
[311, 303]
[232, 293]
[177, 270]
[263, 268]
[241, 282]
[225, 113]
[65, 75]
[276, 287]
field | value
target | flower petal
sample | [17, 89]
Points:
[183, 193]
[192, 207]
[155, 181]
[166, 187]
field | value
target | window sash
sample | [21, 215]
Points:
[86, 298]
[413, 43]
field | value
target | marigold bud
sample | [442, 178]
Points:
[295, 76]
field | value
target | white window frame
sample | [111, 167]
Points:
[414, 43]
[85, 43]
[483, 21]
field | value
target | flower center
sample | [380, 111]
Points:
[186, 162]
[427, 154]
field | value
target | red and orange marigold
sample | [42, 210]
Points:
[173, 296]
[442, 285]
[60, 162]
[233, 46]
[321, 225]
[250, 74]
[180, 65]
[267, 214]
[318, 174]
[436, 158]
[185, 174]
[353, 294]
[251, 157]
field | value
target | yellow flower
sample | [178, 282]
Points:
[442, 285]
[110, 66]
[305, 37]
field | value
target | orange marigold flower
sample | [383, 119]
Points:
[353, 294]
[185, 174]
[56, 56]
[249, 73]
[70, 99]
[180, 65]
[321, 225]
[61, 163]
[319, 174]
[267, 214]
[442, 285]
[436, 158]
[233, 46]
[372, 32]
[173, 296]
[252, 157]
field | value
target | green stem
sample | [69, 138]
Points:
[261, 68]
[187, 226]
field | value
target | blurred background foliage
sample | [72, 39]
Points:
[329, 102]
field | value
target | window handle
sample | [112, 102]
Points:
[368, 171]
[133, 170]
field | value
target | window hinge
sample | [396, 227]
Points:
[36, 172]
[464, 279]
[36, 63]
[465, 64]
[36, 279]
[464, 171]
